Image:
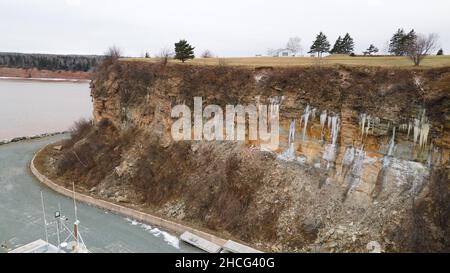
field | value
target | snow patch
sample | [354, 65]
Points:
[167, 237]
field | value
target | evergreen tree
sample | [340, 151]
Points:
[337, 48]
[401, 42]
[347, 44]
[183, 51]
[50, 61]
[440, 52]
[343, 45]
[408, 41]
[320, 45]
[370, 50]
[395, 44]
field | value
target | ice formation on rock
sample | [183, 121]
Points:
[329, 153]
[409, 129]
[367, 124]
[421, 130]
[323, 118]
[387, 160]
[305, 117]
[391, 144]
[357, 167]
[313, 113]
[362, 122]
[424, 130]
[349, 156]
[274, 105]
[289, 154]
[335, 127]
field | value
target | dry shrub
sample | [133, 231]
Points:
[234, 195]
[426, 229]
[207, 54]
[228, 84]
[159, 171]
[93, 152]
[440, 209]
[80, 129]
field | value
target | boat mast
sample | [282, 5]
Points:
[75, 225]
[45, 221]
[58, 224]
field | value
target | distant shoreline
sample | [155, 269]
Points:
[17, 139]
[44, 79]
[36, 74]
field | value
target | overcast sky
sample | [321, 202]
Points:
[227, 27]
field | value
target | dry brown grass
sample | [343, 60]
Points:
[382, 61]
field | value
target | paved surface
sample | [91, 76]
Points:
[200, 242]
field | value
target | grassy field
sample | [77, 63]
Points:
[389, 61]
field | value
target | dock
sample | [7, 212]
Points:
[235, 247]
[38, 246]
[199, 242]
[208, 246]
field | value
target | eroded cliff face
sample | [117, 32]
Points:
[367, 167]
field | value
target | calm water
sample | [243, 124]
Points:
[34, 107]
[29, 107]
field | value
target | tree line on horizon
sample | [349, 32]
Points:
[410, 44]
[413, 45]
[50, 61]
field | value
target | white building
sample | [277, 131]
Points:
[283, 52]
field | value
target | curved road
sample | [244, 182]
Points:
[21, 219]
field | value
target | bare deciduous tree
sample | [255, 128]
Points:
[111, 56]
[207, 54]
[164, 55]
[113, 53]
[294, 44]
[421, 47]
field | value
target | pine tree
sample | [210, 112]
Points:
[347, 44]
[440, 52]
[184, 51]
[320, 45]
[401, 42]
[337, 48]
[408, 41]
[396, 42]
[370, 50]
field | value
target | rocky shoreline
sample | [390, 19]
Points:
[17, 139]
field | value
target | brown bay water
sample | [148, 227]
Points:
[32, 107]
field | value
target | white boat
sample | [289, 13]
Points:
[67, 240]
